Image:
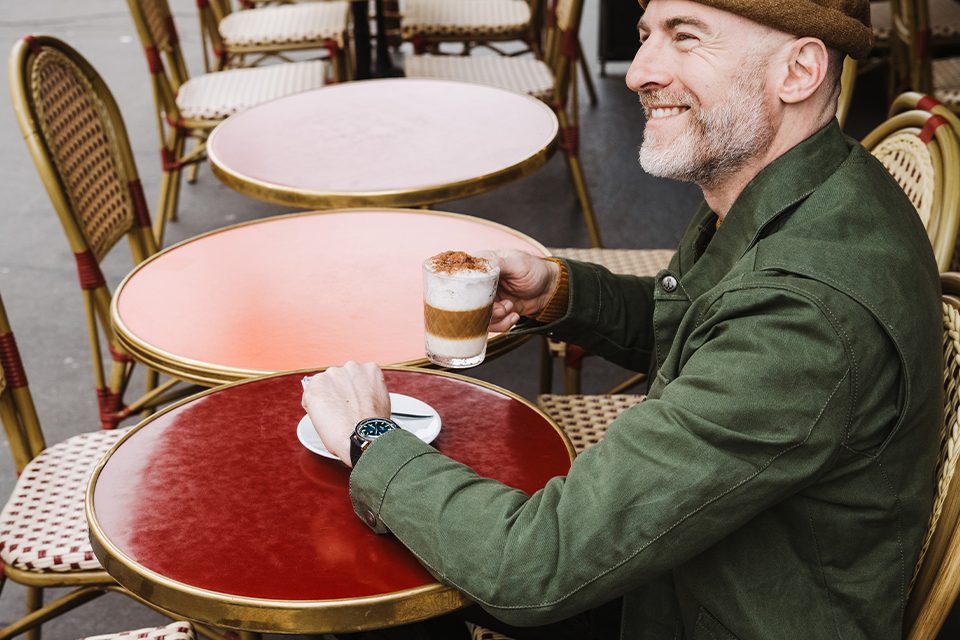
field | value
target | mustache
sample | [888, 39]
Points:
[651, 98]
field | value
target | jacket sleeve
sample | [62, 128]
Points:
[728, 438]
[607, 314]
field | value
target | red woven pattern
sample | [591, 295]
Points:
[139, 203]
[11, 362]
[89, 271]
[930, 127]
[43, 527]
[927, 103]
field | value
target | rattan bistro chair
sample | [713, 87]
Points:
[78, 141]
[913, 67]
[921, 151]
[189, 108]
[245, 38]
[552, 79]
[936, 577]
[43, 530]
[44, 541]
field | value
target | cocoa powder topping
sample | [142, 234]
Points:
[454, 261]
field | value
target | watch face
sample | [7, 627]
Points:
[374, 428]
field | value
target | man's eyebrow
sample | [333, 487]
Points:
[677, 21]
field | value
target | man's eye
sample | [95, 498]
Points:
[686, 40]
[679, 37]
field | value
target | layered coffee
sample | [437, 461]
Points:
[458, 292]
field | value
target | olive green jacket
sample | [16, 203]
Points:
[778, 479]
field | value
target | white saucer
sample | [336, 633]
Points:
[424, 428]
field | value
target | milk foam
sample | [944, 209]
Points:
[461, 291]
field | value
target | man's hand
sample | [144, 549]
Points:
[526, 283]
[339, 398]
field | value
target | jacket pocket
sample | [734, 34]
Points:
[707, 628]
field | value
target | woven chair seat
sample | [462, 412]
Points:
[480, 633]
[43, 527]
[464, 19]
[215, 96]
[173, 631]
[946, 80]
[288, 24]
[634, 262]
[944, 21]
[522, 75]
[585, 418]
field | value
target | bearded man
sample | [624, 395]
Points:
[777, 481]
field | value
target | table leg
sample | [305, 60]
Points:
[361, 38]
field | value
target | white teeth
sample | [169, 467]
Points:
[660, 112]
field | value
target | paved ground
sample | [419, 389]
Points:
[37, 275]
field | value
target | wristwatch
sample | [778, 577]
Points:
[366, 432]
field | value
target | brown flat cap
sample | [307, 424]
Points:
[841, 24]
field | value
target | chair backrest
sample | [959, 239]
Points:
[848, 78]
[212, 12]
[910, 41]
[936, 579]
[562, 44]
[76, 136]
[17, 412]
[161, 45]
[923, 156]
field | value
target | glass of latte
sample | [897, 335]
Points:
[458, 292]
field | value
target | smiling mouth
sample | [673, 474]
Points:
[665, 112]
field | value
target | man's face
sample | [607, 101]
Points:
[703, 87]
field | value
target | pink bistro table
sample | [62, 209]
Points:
[391, 142]
[306, 290]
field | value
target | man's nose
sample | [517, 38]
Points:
[648, 69]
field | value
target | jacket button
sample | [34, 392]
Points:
[669, 284]
[370, 518]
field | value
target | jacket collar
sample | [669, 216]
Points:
[777, 188]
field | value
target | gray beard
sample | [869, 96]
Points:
[717, 143]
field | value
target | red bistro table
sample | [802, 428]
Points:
[292, 292]
[214, 511]
[393, 142]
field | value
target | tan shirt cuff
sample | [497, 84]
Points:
[556, 306]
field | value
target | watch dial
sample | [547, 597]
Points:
[374, 428]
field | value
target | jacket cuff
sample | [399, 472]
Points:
[556, 306]
[382, 461]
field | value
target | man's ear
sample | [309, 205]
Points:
[807, 61]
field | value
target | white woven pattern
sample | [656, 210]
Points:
[173, 631]
[288, 24]
[522, 75]
[464, 18]
[946, 82]
[634, 262]
[43, 527]
[214, 96]
[907, 159]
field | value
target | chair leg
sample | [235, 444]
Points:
[169, 189]
[585, 67]
[546, 366]
[34, 603]
[32, 621]
[571, 152]
[572, 367]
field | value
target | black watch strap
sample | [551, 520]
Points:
[366, 432]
